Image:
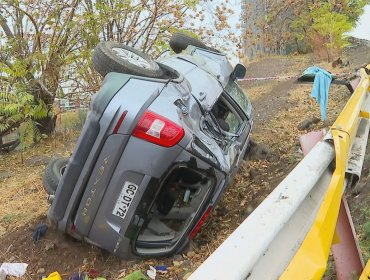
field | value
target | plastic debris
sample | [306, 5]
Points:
[161, 268]
[82, 276]
[54, 276]
[136, 275]
[122, 273]
[75, 276]
[13, 269]
[39, 232]
[93, 273]
[152, 272]
[2, 275]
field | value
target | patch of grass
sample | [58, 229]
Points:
[364, 234]
[72, 120]
[23, 197]
[8, 218]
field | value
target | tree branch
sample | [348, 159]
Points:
[5, 27]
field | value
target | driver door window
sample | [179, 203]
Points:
[226, 116]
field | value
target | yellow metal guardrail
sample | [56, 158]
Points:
[366, 273]
[311, 259]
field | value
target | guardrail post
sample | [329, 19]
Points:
[347, 255]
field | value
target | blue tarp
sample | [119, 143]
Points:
[320, 88]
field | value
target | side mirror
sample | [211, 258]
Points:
[239, 72]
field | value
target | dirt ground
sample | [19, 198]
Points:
[279, 107]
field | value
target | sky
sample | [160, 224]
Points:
[362, 29]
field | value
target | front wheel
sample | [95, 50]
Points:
[116, 57]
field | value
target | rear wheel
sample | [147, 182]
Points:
[116, 57]
[53, 173]
[180, 41]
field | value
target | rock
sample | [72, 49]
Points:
[5, 174]
[176, 263]
[253, 173]
[37, 160]
[259, 152]
[307, 123]
[49, 246]
[186, 263]
[178, 258]
[106, 274]
[191, 254]
[40, 271]
[221, 211]
[359, 187]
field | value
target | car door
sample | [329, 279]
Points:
[233, 111]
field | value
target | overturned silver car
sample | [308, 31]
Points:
[161, 142]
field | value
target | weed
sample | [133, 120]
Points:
[8, 218]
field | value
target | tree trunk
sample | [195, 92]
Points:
[47, 125]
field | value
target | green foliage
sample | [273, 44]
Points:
[29, 133]
[311, 24]
[19, 108]
[331, 25]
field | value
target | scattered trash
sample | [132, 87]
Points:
[85, 276]
[122, 273]
[75, 276]
[161, 269]
[2, 275]
[53, 276]
[93, 273]
[176, 263]
[13, 269]
[39, 232]
[136, 275]
[152, 272]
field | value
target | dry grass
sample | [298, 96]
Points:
[22, 194]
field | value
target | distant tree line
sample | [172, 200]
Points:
[305, 25]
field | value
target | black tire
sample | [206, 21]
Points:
[105, 60]
[53, 173]
[180, 41]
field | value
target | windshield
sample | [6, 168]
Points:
[235, 91]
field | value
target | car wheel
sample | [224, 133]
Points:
[53, 173]
[180, 41]
[116, 57]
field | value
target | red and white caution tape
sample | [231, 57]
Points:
[270, 78]
[287, 77]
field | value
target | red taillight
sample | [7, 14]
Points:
[200, 223]
[158, 130]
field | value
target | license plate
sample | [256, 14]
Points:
[125, 199]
